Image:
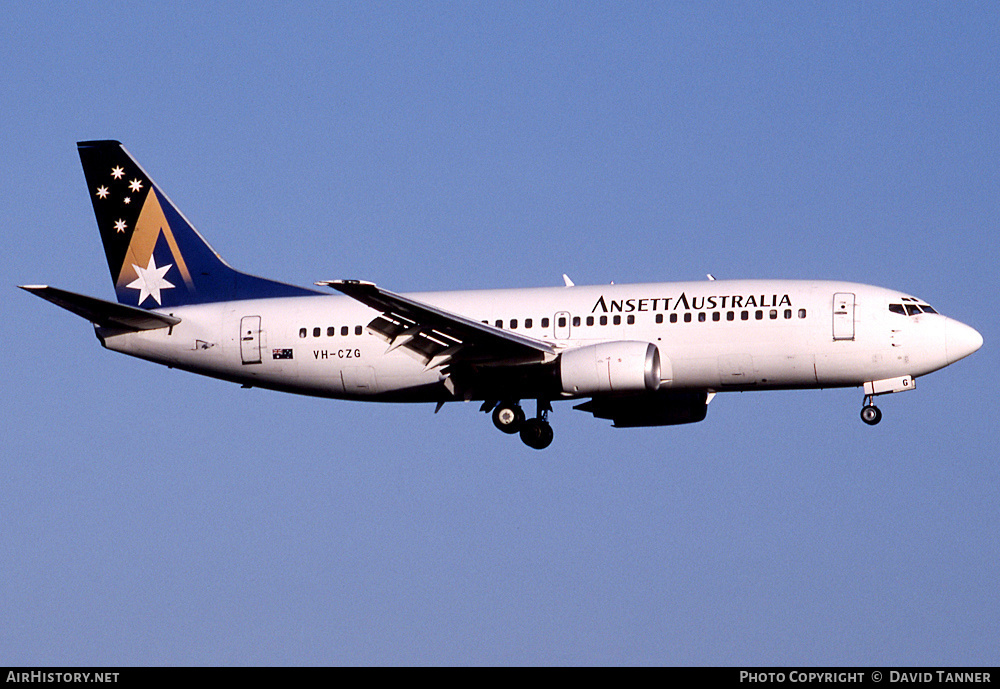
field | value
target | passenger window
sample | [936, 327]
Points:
[701, 317]
[545, 322]
[687, 317]
[659, 318]
[331, 331]
[730, 316]
[802, 313]
[673, 318]
[774, 314]
[576, 321]
[561, 322]
[499, 323]
[513, 324]
[744, 315]
[716, 316]
[788, 313]
[344, 330]
[358, 329]
[302, 332]
[604, 320]
[527, 322]
[590, 320]
[316, 332]
[759, 315]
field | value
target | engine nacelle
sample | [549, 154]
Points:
[625, 366]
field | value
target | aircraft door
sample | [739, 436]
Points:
[562, 325]
[843, 316]
[250, 339]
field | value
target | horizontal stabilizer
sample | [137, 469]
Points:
[104, 313]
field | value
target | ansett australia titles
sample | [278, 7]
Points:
[724, 301]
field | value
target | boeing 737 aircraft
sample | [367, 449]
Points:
[639, 355]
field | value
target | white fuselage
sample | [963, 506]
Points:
[713, 335]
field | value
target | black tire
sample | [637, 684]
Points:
[508, 417]
[871, 414]
[537, 434]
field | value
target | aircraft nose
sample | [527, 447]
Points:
[961, 340]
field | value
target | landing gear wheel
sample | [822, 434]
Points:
[871, 414]
[536, 434]
[508, 417]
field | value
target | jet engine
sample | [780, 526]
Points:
[610, 367]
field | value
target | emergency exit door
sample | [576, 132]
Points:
[843, 316]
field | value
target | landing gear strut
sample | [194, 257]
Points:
[870, 414]
[536, 433]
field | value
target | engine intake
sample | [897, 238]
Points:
[625, 366]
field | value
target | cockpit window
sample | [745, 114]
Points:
[910, 308]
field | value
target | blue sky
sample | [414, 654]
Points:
[150, 516]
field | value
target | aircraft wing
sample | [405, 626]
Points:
[440, 337]
[104, 313]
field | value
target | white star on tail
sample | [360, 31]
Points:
[135, 185]
[150, 281]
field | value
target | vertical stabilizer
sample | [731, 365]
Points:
[157, 259]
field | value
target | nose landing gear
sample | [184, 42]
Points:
[870, 414]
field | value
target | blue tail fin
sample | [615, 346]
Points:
[157, 259]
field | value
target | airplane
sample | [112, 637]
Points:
[635, 354]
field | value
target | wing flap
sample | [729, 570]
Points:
[103, 313]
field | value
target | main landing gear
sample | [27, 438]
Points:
[870, 414]
[536, 433]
